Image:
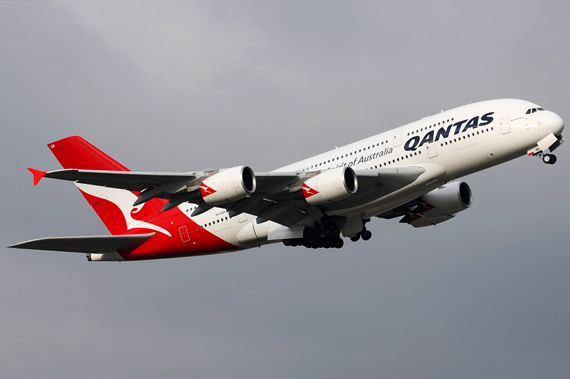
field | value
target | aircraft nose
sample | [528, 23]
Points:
[556, 123]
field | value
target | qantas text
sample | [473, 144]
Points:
[444, 132]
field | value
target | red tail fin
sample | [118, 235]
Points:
[75, 152]
[113, 206]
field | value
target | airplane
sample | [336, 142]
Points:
[409, 173]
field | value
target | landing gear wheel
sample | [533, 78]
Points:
[366, 235]
[549, 158]
[355, 238]
[329, 231]
[313, 242]
[339, 243]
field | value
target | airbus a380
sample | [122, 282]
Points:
[406, 173]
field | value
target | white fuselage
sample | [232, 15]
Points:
[456, 142]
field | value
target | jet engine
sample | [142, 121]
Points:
[440, 205]
[330, 185]
[228, 185]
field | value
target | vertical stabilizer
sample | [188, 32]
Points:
[113, 206]
[75, 152]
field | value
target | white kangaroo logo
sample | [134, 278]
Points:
[124, 200]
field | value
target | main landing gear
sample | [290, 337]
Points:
[312, 242]
[326, 234]
[321, 236]
[365, 234]
[549, 158]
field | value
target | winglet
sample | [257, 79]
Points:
[37, 175]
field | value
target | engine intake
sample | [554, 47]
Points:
[331, 185]
[228, 185]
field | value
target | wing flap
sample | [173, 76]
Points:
[89, 244]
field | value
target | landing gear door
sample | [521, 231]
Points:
[505, 125]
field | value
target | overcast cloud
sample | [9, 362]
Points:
[183, 85]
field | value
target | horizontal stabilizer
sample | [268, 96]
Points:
[90, 244]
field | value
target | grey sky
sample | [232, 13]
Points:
[179, 86]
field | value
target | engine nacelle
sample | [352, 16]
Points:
[228, 185]
[448, 199]
[422, 221]
[441, 204]
[330, 185]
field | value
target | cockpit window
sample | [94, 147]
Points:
[532, 110]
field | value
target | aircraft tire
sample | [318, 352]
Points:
[549, 158]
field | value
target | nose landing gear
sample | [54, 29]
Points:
[549, 158]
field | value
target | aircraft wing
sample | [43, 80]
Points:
[90, 244]
[130, 180]
[288, 206]
[170, 182]
[278, 196]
